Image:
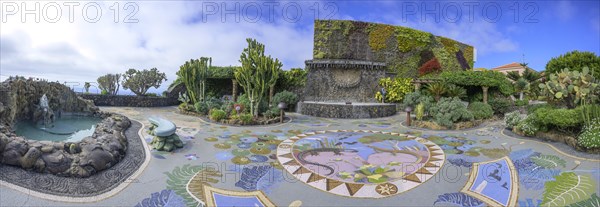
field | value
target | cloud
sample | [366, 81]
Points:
[164, 38]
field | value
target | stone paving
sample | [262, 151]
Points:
[250, 159]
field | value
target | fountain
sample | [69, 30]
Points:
[46, 112]
[344, 88]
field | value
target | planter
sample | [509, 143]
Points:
[556, 136]
[457, 126]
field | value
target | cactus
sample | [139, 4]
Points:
[193, 74]
[570, 87]
[184, 98]
[257, 74]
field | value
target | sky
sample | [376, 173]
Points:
[76, 42]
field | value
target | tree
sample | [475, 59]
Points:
[523, 82]
[575, 61]
[109, 83]
[257, 74]
[193, 74]
[139, 81]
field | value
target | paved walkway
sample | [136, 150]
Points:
[251, 159]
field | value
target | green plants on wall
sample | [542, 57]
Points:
[379, 35]
[410, 39]
[400, 47]
[395, 88]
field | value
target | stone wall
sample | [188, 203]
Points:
[132, 101]
[347, 111]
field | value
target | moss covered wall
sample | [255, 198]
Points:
[403, 49]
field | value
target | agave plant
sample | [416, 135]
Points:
[437, 90]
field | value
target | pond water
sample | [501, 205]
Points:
[66, 129]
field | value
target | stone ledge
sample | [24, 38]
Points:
[347, 111]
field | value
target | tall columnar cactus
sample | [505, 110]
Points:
[257, 74]
[570, 87]
[193, 74]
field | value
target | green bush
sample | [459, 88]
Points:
[512, 119]
[246, 118]
[395, 88]
[272, 113]
[501, 106]
[529, 126]
[449, 111]
[415, 98]
[217, 115]
[245, 102]
[534, 107]
[227, 106]
[201, 108]
[213, 103]
[590, 137]
[481, 110]
[562, 118]
[186, 107]
[492, 79]
[523, 102]
[285, 96]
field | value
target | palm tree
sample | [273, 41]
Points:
[436, 89]
[456, 91]
[525, 80]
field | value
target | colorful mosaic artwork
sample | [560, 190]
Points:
[357, 163]
[494, 182]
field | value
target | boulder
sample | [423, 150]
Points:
[56, 162]
[11, 157]
[29, 159]
[98, 159]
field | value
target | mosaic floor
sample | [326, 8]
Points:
[330, 162]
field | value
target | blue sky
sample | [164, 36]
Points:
[164, 34]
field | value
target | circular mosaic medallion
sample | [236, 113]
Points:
[358, 163]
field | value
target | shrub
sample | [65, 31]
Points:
[456, 91]
[523, 102]
[529, 125]
[449, 111]
[534, 107]
[213, 103]
[562, 118]
[500, 105]
[431, 66]
[437, 90]
[285, 96]
[245, 102]
[395, 89]
[481, 110]
[590, 137]
[186, 107]
[491, 79]
[575, 60]
[415, 98]
[246, 118]
[217, 115]
[272, 113]
[201, 108]
[227, 106]
[512, 119]
[420, 111]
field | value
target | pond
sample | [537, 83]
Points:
[64, 129]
